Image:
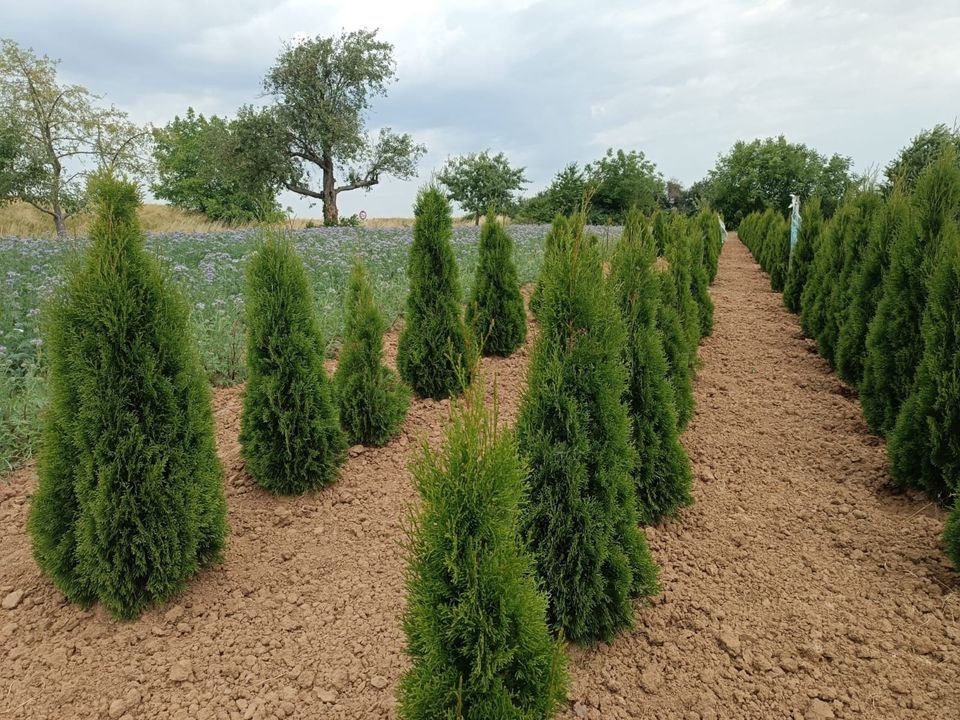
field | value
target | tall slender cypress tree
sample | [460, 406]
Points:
[574, 430]
[476, 624]
[824, 274]
[663, 474]
[699, 281]
[924, 447]
[434, 354]
[130, 502]
[371, 399]
[560, 228]
[855, 236]
[675, 344]
[892, 220]
[495, 312]
[808, 238]
[894, 343]
[290, 432]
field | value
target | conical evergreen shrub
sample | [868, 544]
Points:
[712, 242]
[561, 228]
[855, 237]
[825, 272]
[659, 228]
[434, 354]
[890, 221]
[699, 282]
[924, 447]
[778, 251]
[679, 293]
[290, 433]
[894, 342]
[495, 313]
[130, 502]
[370, 397]
[801, 260]
[663, 473]
[574, 430]
[675, 345]
[475, 622]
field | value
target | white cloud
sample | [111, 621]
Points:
[547, 82]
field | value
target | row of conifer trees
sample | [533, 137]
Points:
[524, 538]
[878, 287]
[530, 537]
[130, 501]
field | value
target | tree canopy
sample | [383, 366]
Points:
[323, 89]
[922, 150]
[201, 166]
[53, 136]
[762, 174]
[614, 184]
[479, 182]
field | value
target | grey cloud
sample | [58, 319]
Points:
[548, 82]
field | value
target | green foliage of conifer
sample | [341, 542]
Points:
[778, 253]
[371, 398]
[951, 535]
[659, 227]
[924, 446]
[434, 354]
[561, 228]
[476, 623]
[574, 430]
[856, 222]
[699, 280]
[130, 502]
[894, 342]
[824, 272]
[680, 356]
[495, 313]
[890, 221]
[801, 259]
[712, 241]
[290, 432]
[663, 473]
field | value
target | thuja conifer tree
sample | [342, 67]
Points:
[699, 282]
[824, 274]
[894, 342]
[890, 221]
[574, 431]
[801, 259]
[130, 502]
[855, 239]
[370, 397]
[675, 344]
[290, 433]
[659, 227]
[560, 229]
[778, 249]
[476, 623]
[924, 447]
[434, 354]
[663, 474]
[679, 292]
[495, 313]
[712, 241]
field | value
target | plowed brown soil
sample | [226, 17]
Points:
[796, 586]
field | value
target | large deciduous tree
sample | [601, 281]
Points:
[323, 89]
[201, 166]
[480, 181]
[761, 174]
[53, 135]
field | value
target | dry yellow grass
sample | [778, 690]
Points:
[22, 220]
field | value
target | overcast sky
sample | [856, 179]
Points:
[546, 82]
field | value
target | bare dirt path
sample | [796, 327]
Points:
[797, 586]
